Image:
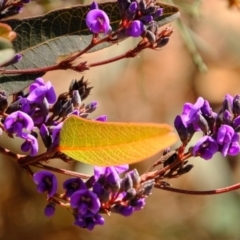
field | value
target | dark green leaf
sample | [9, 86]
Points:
[41, 40]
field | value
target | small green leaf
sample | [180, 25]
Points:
[41, 40]
[113, 143]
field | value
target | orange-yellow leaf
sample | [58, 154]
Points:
[113, 143]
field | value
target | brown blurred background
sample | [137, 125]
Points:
[149, 88]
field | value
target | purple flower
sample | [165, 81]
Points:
[17, 121]
[72, 185]
[206, 147]
[31, 144]
[190, 112]
[46, 182]
[85, 201]
[97, 21]
[225, 138]
[224, 134]
[40, 90]
[135, 29]
[89, 221]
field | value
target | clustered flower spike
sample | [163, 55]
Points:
[106, 191]
[139, 18]
[220, 130]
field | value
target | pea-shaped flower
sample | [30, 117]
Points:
[98, 21]
[46, 182]
[85, 201]
[30, 144]
[17, 121]
[206, 147]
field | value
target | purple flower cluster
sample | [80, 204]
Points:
[104, 192]
[220, 130]
[138, 18]
[39, 112]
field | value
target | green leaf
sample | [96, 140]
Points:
[6, 51]
[42, 39]
[113, 143]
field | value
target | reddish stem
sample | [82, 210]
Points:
[63, 171]
[191, 192]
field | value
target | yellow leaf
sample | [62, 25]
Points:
[113, 143]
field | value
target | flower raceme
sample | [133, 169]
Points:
[137, 18]
[220, 130]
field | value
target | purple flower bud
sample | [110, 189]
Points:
[201, 122]
[135, 29]
[146, 188]
[94, 5]
[72, 185]
[158, 13]
[126, 183]
[234, 147]
[236, 105]
[228, 103]
[138, 203]
[97, 21]
[56, 135]
[17, 121]
[227, 117]
[49, 210]
[85, 200]
[46, 182]
[185, 133]
[207, 110]
[147, 19]
[30, 144]
[133, 7]
[123, 210]
[102, 118]
[91, 106]
[236, 123]
[47, 140]
[135, 177]
[76, 99]
[206, 147]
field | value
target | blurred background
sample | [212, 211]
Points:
[149, 88]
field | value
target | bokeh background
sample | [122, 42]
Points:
[149, 88]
